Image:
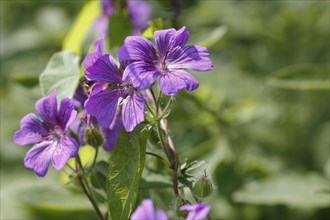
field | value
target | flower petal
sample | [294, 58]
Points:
[201, 212]
[104, 69]
[142, 75]
[137, 49]
[133, 111]
[139, 13]
[91, 58]
[191, 57]
[66, 113]
[111, 135]
[65, 149]
[103, 106]
[144, 211]
[167, 39]
[32, 130]
[39, 156]
[161, 215]
[171, 82]
[47, 108]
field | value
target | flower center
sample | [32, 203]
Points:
[56, 132]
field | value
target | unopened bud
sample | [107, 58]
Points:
[93, 137]
[203, 187]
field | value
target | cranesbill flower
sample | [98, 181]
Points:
[49, 136]
[197, 211]
[113, 96]
[147, 211]
[167, 60]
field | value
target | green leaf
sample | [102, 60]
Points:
[120, 26]
[125, 171]
[62, 73]
[154, 25]
[301, 77]
[87, 16]
[304, 191]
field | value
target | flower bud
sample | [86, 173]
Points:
[93, 137]
[203, 187]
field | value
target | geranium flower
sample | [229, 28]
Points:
[167, 60]
[113, 94]
[147, 211]
[49, 136]
[197, 211]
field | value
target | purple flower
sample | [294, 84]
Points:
[197, 211]
[113, 97]
[50, 139]
[91, 58]
[139, 13]
[147, 211]
[168, 60]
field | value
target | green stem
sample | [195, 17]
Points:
[167, 106]
[162, 142]
[158, 102]
[160, 158]
[94, 161]
[85, 190]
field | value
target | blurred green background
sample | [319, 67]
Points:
[260, 119]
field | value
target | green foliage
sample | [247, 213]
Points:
[61, 73]
[153, 26]
[304, 191]
[82, 25]
[301, 77]
[125, 171]
[25, 81]
[120, 27]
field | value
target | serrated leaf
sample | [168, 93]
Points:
[304, 191]
[125, 171]
[301, 77]
[82, 25]
[62, 73]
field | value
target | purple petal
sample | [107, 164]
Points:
[161, 215]
[104, 70]
[39, 156]
[103, 106]
[141, 74]
[171, 82]
[167, 39]
[101, 26]
[91, 58]
[139, 13]
[144, 211]
[111, 135]
[191, 57]
[66, 113]
[137, 48]
[133, 111]
[197, 211]
[107, 7]
[32, 130]
[79, 97]
[47, 108]
[64, 150]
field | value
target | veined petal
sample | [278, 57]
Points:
[32, 130]
[133, 111]
[104, 69]
[39, 156]
[171, 82]
[137, 49]
[64, 150]
[47, 108]
[91, 58]
[66, 113]
[191, 57]
[103, 106]
[141, 74]
[111, 135]
[167, 39]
